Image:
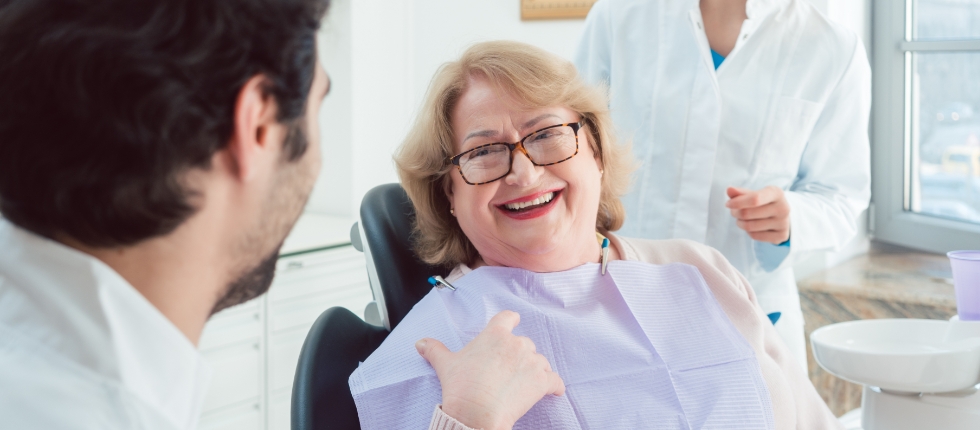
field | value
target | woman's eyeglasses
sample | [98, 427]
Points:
[490, 162]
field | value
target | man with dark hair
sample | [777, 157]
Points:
[154, 154]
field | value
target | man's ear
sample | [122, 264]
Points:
[255, 118]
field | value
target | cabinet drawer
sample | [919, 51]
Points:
[298, 313]
[321, 281]
[337, 270]
[286, 267]
[237, 374]
[239, 325]
[284, 349]
[253, 348]
[279, 412]
[247, 416]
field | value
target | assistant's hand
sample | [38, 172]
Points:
[763, 214]
[495, 379]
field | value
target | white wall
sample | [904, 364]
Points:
[450, 26]
[381, 55]
[334, 43]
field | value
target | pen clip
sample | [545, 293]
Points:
[438, 282]
[605, 254]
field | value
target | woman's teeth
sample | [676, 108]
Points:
[544, 198]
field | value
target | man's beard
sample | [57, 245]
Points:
[284, 210]
[250, 284]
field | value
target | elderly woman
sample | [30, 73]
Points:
[516, 178]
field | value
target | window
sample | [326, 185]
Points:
[926, 123]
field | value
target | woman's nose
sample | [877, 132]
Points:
[523, 172]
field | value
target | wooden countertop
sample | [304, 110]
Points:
[889, 273]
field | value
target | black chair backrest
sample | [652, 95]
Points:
[338, 341]
[387, 217]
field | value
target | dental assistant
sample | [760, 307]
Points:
[750, 121]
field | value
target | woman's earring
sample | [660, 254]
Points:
[452, 211]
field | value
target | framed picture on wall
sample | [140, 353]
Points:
[555, 9]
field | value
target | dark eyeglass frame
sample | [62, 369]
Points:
[576, 126]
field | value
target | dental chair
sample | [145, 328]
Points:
[339, 340]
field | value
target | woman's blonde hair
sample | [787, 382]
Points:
[537, 79]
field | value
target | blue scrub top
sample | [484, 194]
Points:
[717, 58]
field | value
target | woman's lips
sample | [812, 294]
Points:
[531, 212]
[529, 197]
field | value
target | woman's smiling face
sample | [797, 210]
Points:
[540, 218]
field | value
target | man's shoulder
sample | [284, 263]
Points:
[44, 390]
[613, 13]
[834, 39]
[60, 368]
[54, 325]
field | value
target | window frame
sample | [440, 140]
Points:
[892, 145]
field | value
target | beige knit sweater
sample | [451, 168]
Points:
[796, 404]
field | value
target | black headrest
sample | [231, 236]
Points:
[387, 217]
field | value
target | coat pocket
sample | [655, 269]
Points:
[789, 129]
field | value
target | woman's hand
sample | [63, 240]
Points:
[495, 379]
[763, 214]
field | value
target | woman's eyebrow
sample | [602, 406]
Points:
[528, 124]
[539, 118]
[481, 133]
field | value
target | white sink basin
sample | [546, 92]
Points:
[909, 355]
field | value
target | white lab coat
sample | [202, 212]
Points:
[81, 349]
[788, 107]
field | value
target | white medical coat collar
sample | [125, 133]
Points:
[758, 9]
[754, 9]
[82, 310]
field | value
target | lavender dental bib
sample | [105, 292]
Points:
[644, 346]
